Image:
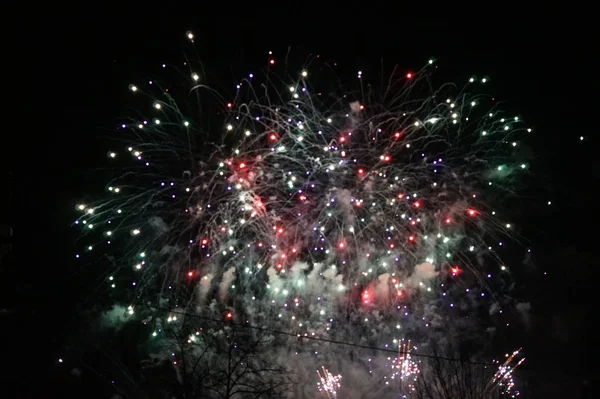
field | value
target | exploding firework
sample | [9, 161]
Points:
[328, 382]
[341, 216]
[404, 370]
[503, 378]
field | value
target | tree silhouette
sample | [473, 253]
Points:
[189, 359]
[451, 374]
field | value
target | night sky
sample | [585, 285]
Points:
[538, 64]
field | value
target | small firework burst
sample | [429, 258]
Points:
[328, 382]
[404, 369]
[503, 378]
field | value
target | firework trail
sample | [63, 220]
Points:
[351, 216]
[403, 368]
[328, 382]
[503, 378]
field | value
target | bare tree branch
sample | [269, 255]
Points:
[449, 379]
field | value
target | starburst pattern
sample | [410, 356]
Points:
[503, 378]
[328, 382]
[404, 370]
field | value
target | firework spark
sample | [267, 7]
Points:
[404, 369]
[328, 382]
[503, 378]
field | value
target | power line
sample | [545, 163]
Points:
[313, 338]
[355, 345]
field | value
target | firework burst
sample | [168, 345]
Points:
[328, 382]
[404, 370]
[503, 378]
[346, 216]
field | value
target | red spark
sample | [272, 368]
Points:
[341, 245]
[229, 315]
[242, 165]
[448, 220]
[365, 296]
[272, 61]
[409, 75]
[417, 204]
[397, 135]
[455, 271]
[411, 238]
[204, 241]
[273, 137]
[229, 105]
[361, 171]
[342, 139]
[190, 274]
[472, 212]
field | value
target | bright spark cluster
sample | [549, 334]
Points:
[503, 378]
[328, 382]
[404, 370]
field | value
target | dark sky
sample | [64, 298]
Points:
[539, 61]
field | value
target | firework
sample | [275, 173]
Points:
[344, 217]
[328, 382]
[404, 369]
[503, 378]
